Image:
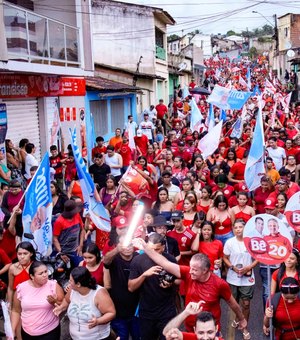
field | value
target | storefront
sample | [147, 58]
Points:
[41, 108]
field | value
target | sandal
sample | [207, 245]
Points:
[234, 324]
[246, 335]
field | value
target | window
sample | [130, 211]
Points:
[117, 114]
[286, 31]
[99, 110]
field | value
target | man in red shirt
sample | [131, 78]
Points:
[200, 284]
[182, 152]
[239, 150]
[141, 142]
[124, 150]
[162, 110]
[99, 148]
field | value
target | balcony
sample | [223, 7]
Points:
[160, 53]
[37, 39]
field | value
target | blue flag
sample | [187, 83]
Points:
[223, 115]
[37, 212]
[186, 92]
[228, 99]
[249, 78]
[256, 91]
[255, 168]
[211, 117]
[95, 209]
[237, 128]
[196, 116]
[90, 134]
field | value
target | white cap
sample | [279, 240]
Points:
[139, 133]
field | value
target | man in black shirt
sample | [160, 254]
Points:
[157, 290]
[160, 226]
[118, 262]
[99, 170]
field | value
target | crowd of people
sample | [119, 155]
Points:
[188, 251]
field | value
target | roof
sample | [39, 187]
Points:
[107, 85]
[163, 15]
[127, 71]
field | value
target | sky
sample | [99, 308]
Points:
[219, 16]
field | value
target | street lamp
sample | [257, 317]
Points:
[272, 24]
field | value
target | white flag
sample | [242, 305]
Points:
[210, 142]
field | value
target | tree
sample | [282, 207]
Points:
[229, 33]
[173, 37]
[253, 52]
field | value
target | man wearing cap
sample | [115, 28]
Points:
[167, 184]
[99, 170]
[141, 142]
[157, 289]
[68, 234]
[147, 127]
[160, 226]
[184, 237]
[181, 152]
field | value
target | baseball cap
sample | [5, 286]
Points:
[158, 221]
[139, 133]
[177, 215]
[120, 222]
[241, 187]
[270, 204]
[181, 143]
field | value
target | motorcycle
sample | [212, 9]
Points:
[57, 269]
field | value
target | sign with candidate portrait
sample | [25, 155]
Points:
[267, 239]
[292, 211]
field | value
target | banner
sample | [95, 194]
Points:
[136, 183]
[185, 92]
[227, 99]
[292, 211]
[3, 122]
[210, 142]
[97, 212]
[37, 212]
[196, 116]
[267, 239]
[255, 167]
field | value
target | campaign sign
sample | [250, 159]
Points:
[267, 239]
[292, 211]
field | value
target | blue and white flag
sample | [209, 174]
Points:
[255, 168]
[210, 142]
[196, 116]
[228, 99]
[256, 91]
[90, 134]
[95, 209]
[185, 92]
[211, 117]
[249, 78]
[237, 128]
[37, 212]
[223, 115]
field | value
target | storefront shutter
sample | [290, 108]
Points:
[23, 122]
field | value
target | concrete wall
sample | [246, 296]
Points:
[204, 42]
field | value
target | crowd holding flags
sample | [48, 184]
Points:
[95, 209]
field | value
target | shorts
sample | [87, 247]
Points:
[244, 292]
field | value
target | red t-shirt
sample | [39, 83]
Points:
[125, 152]
[4, 259]
[184, 241]
[185, 155]
[238, 170]
[211, 291]
[8, 244]
[142, 143]
[161, 110]
[213, 250]
[98, 149]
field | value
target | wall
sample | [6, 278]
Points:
[204, 42]
[121, 34]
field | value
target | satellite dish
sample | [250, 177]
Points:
[287, 45]
[182, 66]
[290, 53]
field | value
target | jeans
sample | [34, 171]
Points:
[125, 327]
[264, 278]
[223, 238]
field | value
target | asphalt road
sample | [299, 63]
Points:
[256, 316]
